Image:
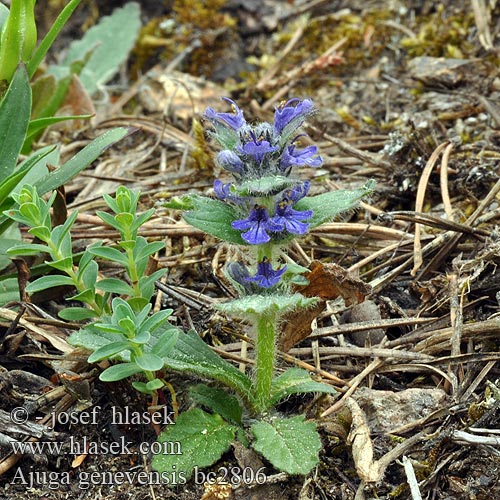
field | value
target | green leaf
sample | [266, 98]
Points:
[295, 381]
[114, 285]
[12, 183]
[86, 296]
[88, 272]
[155, 384]
[110, 42]
[290, 444]
[110, 254]
[265, 186]
[214, 217]
[119, 372]
[108, 351]
[4, 12]
[193, 355]
[51, 35]
[219, 401]
[62, 264]
[91, 338]
[15, 110]
[149, 249]
[149, 361]
[165, 343]
[46, 282]
[8, 239]
[156, 320]
[9, 291]
[265, 304]
[77, 313]
[27, 249]
[203, 439]
[40, 124]
[81, 160]
[328, 205]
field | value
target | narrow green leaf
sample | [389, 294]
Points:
[51, 35]
[4, 12]
[76, 314]
[15, 110]
[82, 159]
[290, 444]
[108, 351]
[27, 249]
[39, 124]
[203, 439]
[114, 285]
[110, 254]
[119, 372]
[62, 264]
[46, 282]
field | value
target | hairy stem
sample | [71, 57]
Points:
[266, 351]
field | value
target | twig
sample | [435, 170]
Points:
[419, 204]
[443, 176]
[411, 479]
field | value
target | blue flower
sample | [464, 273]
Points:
[299, 157]
[266, 276]
[286, 218]
[230, 161]
[235, 120]
[238, 272]
[293, 112]
[257, 148]
[297, 192]
[223, 192]
[255, 226]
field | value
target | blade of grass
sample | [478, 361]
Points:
[49, 38]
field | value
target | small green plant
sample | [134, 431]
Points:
[26, 110]
[263, 210]
[123, 329]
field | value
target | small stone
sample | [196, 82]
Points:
[388, 410]
[365, 311]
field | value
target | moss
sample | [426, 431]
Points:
[197, 26]
[442, 35]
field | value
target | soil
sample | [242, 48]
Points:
[407, 93]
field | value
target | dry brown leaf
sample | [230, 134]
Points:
[361, 445]
[78, 460]
[328, 282]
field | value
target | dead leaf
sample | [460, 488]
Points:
[78, 460]
[328, 282]
[361, 445]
